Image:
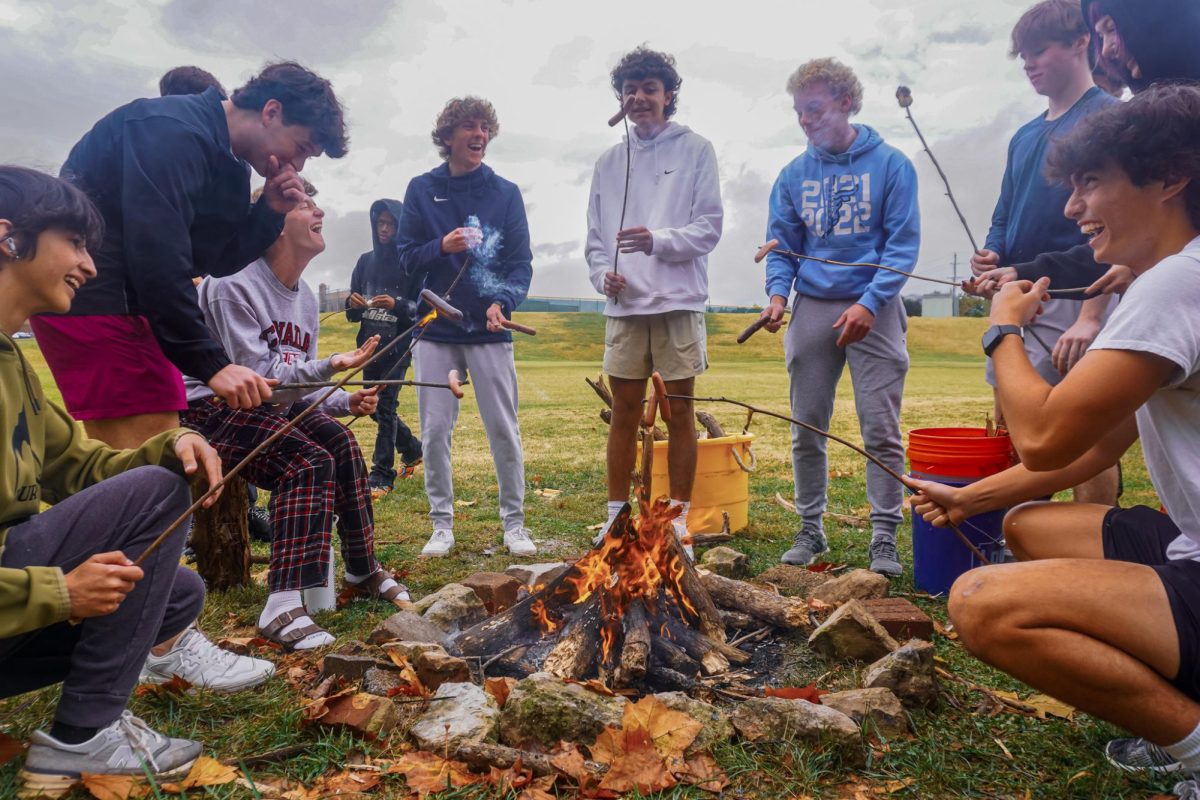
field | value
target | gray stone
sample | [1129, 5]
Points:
[408, 626]
[767, 719]
[468, 714]
[792, 580]
[410, 650]
[850, 632]
[908, 672]
[717, 725]
[350, 661]
[542, 709]
[452, 608]
[536, 574]
[380, 681]
[859, 584]
[726, 562]
[878, 708]
[435, 667]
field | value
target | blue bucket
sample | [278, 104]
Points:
[939, 557]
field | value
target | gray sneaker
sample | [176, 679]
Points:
[51, 767]
[1187, 790]
[809, 542]
[201, 663]
[883, 556]
[1138, 755]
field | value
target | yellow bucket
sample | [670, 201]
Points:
[722, 483]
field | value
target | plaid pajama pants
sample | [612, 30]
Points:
[314, 471]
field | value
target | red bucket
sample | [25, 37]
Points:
[964, 453]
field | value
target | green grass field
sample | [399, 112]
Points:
[955, 752]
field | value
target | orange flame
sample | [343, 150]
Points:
[428, 318]
[540, 615]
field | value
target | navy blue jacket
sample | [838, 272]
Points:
[176, 204]
[501, 264]
[378, 271]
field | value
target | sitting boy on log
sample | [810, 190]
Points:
[265, 317]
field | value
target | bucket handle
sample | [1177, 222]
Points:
[750, 452]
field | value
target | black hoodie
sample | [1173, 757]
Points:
[1162, 36]
[176, 205]
[378, 271]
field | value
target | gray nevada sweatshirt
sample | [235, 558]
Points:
[271, 329]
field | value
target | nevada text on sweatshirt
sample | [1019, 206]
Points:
[270, 328]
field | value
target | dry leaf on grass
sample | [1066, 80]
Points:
[635, 762]
[567, 759]
[174, 687]
[671, 731]
[891, 787]
[427, 773]
[703, 773]
[465, 503]
[499, 689]
[10, 748]
[810, 693]
[1044, 705]
[209, 772]
[593, 685]
[114, 787]
[410, 684]
[320, 707]
[548, 492]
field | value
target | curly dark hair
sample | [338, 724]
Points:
[307, 100]
[458, 109]
[644, 63]
[1154, 136]
[188, 80]
[34, 202]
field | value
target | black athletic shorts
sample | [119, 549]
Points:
[1141, 535]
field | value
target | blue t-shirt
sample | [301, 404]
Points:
[1029, 219]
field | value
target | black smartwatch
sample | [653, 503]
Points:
[993, 335]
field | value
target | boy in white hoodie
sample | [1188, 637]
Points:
[654, 215]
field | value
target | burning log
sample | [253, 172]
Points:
[577, 648]
[635, 649]
[782, 612]
[665, 653]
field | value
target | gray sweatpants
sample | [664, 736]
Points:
[98, 661]
[494, 386]
[878, 365]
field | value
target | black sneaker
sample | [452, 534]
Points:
[884, 559]
[259, 521]
[808, 543]
[1138, 755]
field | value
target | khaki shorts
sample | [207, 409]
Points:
[673, 343]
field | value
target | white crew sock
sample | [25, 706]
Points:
[614, 508]
[1187, 751]
[387, 584]
[277, 603]
[681, 520]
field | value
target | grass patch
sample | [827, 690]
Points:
[953, 753]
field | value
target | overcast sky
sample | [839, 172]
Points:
[545, 66]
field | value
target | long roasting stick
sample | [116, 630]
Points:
[755, 409]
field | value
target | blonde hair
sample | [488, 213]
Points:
[309, 190]
[840, 79]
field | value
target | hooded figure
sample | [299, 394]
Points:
[378, 274]
[1159, 35]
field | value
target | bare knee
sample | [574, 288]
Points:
[977, 609]
[1019, 528]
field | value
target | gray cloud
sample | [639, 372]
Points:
[966, 33]
[309, 31]
[562, 67]
[557, 250]
[755, 75]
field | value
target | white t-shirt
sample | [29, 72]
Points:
[1160, 314]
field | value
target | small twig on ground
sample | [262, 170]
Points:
[279, 754]
[995, 698]
[499, 656]
[758, 634]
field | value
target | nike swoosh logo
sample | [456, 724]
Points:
[669, 171]
[437, 199]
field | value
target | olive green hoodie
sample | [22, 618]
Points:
[49, 459]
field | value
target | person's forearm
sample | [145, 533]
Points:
[1093, 310]
[1020, 390]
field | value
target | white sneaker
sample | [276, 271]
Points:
[201, 663]
[126, 747]
[681, 533]
[518, 542]
[439, 544]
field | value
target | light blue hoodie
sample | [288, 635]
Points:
[870, 194]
